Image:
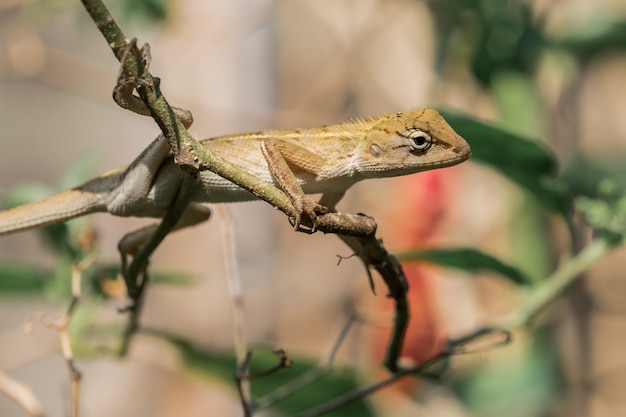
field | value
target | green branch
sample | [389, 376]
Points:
[554, 285]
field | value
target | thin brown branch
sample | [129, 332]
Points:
[373, 253]
[22, 395]
[242, 376]
[454, 346]
[61, 327]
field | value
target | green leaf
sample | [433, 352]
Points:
[216, 364]
[595, 38]
[152, 11]
[527, 163]
[467, 259]
[18, 278]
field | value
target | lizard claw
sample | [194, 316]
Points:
[126, 85]
[123, 92]
[310, 209]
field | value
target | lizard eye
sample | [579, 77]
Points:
[420, 141]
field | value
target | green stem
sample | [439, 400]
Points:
[558, 282]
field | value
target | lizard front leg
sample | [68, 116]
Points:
[284, 159]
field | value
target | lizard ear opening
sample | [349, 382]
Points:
[376, 151]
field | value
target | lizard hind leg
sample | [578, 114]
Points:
[126, 85]
[132, 242]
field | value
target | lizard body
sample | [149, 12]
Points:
[327, 160]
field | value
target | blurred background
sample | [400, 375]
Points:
[551, 70]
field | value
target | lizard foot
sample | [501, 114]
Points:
[306, 218]
[123, 92]
[126, 85]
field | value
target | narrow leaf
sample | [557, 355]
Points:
[467, 259]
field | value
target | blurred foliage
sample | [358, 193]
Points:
[127, 11]
[503, 44]
[153, 11]
[102, 279]
[69, 242]
[497, 35]
[528, 163]
[520, 388]
[17, 278]
[583, 174]
[596, 38]
[606, 213]
[327, 387]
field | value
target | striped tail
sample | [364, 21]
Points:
[57, 208]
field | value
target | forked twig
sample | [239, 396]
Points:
[242, 376]
[307, 378]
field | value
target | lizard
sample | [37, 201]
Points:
[325, 160]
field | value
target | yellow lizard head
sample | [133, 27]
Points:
[405, 143]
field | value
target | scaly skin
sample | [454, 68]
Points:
[327, 160]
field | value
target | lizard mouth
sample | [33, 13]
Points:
[400, 171]
[466, 154]
[445, 163]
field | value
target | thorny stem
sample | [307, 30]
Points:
[373, 253]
